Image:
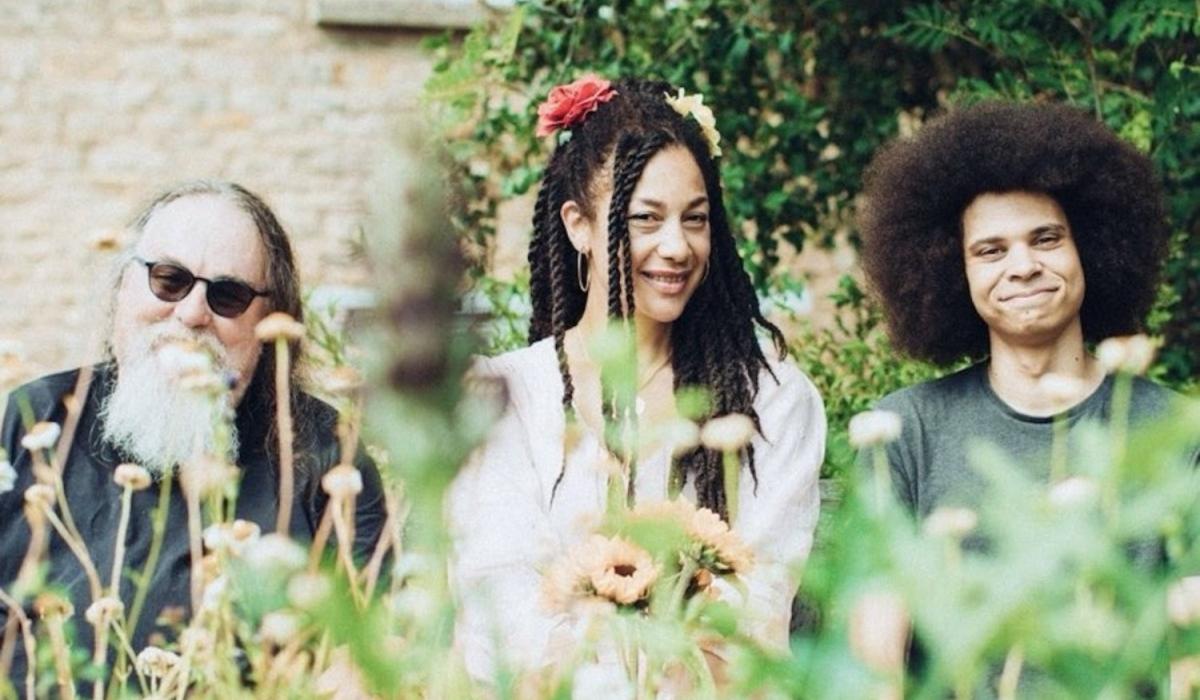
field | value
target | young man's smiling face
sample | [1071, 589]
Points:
[1023, 269]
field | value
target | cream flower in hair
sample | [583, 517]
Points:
[693, 105]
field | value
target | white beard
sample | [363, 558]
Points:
[151, 418]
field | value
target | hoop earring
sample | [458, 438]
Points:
[580, 264]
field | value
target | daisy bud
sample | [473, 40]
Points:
[728, 433]
[131, 476]
[8, 476]
[1072, 492]
[879, 631]
[206, 475]
[1183, 601]
[955, 523]
[156, 662]
[308, 591]
[1185, 677]
[196, 641]
[871, 428]
[47, 604]
[342, 482]
[40, 496]
[279, 627]
[1132, 354]
[275, 552]
[231, 537]
[682, 435]
[279, 325]
[104, 611]
[42, 436]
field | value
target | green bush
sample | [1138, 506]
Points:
[804, 93]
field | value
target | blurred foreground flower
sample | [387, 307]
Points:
[342, 680]
[610, 569]
[1132, 354]
[42, 436]
[279, 326]
[343, 481]
[728, 433]
[1183, 601]
[879, 631]
[1185, 677]
[132, 476]
[279, 627]
[232, 537]
[206, 475]
[275, 552]
[104, 611]
[871, 428]
[1073, 491]
[156, 662]
[955, 523]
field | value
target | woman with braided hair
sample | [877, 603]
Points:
[630, 230]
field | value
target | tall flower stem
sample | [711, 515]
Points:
[387, 540]
[1007, 689]
[883, 480]
[98, 654]
[26, 627]
[158, 530]
[732, 466]
[119, 549]
[283, 416]
[79, 550]
[62, 658]
[197, 553]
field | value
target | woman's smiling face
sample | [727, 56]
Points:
[669, 235]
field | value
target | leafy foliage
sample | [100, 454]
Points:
[806, 92]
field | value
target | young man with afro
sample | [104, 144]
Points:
[1014, 235]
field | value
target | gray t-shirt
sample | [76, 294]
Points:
[942, 418]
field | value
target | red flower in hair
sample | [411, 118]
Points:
[567, 105]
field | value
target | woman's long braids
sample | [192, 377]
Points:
[713, 343]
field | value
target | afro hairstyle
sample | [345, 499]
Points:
[916, 189]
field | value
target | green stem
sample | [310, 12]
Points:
[158, 529]
[883, 477]
[733, 466]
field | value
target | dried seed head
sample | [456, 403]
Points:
[279, 325]
[131, 476]
[42, 436]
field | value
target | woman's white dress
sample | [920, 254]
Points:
[506, 531]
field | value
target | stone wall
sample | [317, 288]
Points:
[103, 102]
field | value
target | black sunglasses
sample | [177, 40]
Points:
[226, 297]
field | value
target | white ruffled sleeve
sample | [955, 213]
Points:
[777, 518]
[501, 540]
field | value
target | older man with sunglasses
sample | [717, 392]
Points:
[209, 261]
